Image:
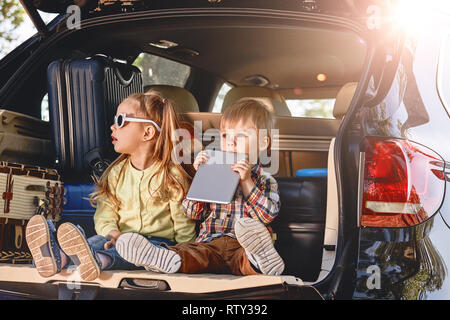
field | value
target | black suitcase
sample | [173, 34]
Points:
[83, 98]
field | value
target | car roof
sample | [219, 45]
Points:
[287, 57]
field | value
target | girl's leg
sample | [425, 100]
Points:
[74, 244]
[161, 241]
[111, 260]
[187, 257]
[40, 237]
[97, 244]
[108, 259]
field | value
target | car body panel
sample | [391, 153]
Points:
[409, 263]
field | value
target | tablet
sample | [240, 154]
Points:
[214, 180]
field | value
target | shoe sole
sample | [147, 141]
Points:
[137, 250]
[37, 235]
[253, 236]
[75, 246]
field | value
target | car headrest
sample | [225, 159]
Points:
[183, 99]
[275, 101]
[343, 99]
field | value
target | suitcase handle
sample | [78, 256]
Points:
[116, 64]
[97, 162]
[122, 80]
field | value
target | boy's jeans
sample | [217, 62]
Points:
[97, 244]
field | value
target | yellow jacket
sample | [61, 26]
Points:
[138, 212]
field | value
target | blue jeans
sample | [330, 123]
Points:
[97, 244]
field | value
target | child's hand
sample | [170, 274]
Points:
[113, 236]
[243, 168]
[201, 158]
[109, 244]
[245, 173]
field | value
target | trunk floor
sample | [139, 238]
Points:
[178, 282]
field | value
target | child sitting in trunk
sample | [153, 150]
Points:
[141, 191]
[234, 237]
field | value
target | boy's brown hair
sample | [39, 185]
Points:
[252, 110]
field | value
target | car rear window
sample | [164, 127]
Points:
[311, 108]
[217, 108]
[159, 70]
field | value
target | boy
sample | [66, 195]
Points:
[233, 237]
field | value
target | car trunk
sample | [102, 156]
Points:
[300, 230]
[307, 226]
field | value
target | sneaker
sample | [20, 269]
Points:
[73, 243]
[136, 249]
[40, 237]
[254, 237]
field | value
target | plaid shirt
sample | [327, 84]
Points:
[263, 203]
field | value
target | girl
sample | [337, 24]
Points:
[140, 192]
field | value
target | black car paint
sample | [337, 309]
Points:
[413, 262]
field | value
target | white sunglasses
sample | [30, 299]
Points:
[121, 118]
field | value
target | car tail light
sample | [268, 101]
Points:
[401, 183]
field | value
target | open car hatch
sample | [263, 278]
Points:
[355, 10]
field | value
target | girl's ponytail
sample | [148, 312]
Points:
[169, 124]
[164, 147]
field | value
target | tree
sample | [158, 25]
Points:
[11, 17]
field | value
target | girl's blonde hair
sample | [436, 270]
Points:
[153, 106]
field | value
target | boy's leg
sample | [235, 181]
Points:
[187, 257]
[74, 244]
[202, 257]
[138, 250]
[254, 237]
[238, 260]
